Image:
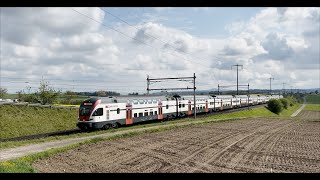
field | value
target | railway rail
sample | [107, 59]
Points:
[75, 131]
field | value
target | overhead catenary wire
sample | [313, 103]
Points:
[166, 43]
[206, 66]
[133, 37]
[108, 12]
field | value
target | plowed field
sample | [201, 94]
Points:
[250, 145]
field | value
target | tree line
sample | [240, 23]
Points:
[49, 95]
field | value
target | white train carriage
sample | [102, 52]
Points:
[214, 104]
[235, 102]
[201, 103]
[112, 112]
[254, 100]
[225, 101]
[243, 100]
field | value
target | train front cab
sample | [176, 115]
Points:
[85, 111]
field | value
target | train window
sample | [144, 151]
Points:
[154, 101]
[135, 101]
[192, 108]
[118, 110]
[155, 112]
[107, 114]
[98, 112]
[140, 114]
[183, 105]
[145, 113]
[151, 113]
[167, 106]
[141, 101]
[179, 105]
[149, 101]
[135, 115]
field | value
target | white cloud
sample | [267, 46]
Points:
[61, 43]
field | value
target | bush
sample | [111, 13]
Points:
[292, 100]
[275, 106]
[284, 102]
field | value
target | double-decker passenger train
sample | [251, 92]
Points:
[112, 112]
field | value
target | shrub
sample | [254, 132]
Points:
[275, 106]
[292, 100]
[284, 102]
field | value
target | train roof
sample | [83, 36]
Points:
[126, 99]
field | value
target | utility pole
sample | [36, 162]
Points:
[271, 78]
[283, 89]
[237, 65]
[248, 96]
[218, 90]
[148, 83]
[194, 94]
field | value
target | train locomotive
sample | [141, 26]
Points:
[113, 112]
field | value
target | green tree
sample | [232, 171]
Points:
[69, 96]
[3, 91]
[284, 102]
[292, 100]
[275, 106]
[101, 93]
[46, 94]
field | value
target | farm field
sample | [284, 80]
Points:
[249, 145]
[313, 103]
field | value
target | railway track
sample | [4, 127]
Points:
[74, 131]
[44, 135]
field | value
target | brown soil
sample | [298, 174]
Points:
[252, 145]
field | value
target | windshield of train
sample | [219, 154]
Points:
[85, 109]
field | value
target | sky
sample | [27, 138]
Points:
[115, 49]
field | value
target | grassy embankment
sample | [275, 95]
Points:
[22, 120]
[313, 103]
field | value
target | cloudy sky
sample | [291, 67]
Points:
[89, 49]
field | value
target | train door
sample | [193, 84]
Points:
[189, 108]
[221, 105]
[206, 108]
[129, 114]
[160, 115]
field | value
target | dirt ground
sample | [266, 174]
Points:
[251, 145]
